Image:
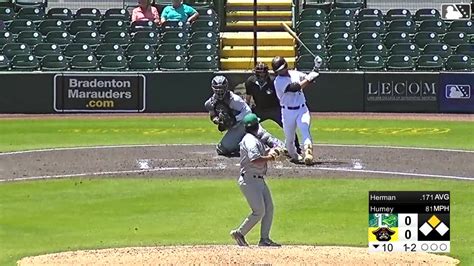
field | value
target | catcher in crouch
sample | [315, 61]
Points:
[227, 111]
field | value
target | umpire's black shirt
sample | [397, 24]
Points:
[264, 95]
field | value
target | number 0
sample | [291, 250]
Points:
[408, 220]
[407, 234]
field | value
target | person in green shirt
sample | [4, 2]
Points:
[179, 12]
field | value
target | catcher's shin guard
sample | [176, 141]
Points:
[308, 154]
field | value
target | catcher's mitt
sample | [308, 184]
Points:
[225, 116]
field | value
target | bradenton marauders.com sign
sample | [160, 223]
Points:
[99, 93]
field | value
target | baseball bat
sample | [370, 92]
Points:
[293, 34]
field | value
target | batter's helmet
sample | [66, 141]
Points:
[220, 87]
[279, 63]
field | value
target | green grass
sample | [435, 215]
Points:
[57, 215]
[21, 134]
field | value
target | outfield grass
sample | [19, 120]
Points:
[21, 134]
[58, 215]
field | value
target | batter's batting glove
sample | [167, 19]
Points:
[312, 76]
[318, 62]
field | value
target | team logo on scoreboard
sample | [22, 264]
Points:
[383, 234]
[383, 227]
[432, 225]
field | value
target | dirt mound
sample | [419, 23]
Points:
[236, 255]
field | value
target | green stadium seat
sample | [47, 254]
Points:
[430, 62]
[343, 49]
[433, 25]
[207, 14]
[374, 49]
[459, 63]
[423, 38]
[176, 38]
[6, 37]
[204, 25]
[84, 63]
[371, 63]
[54, 63]
[465, 26]
[342, 62]
[172, 62]
[24, 62]
[48, 25]
[171, 49]
[354, 4]
[395, 14]
[4, 63]
[143, 62]
[372, 26]
[205, 37]
[405, 25]
[116, 13]
[11, 49]
[455, 38]
[203, 62]
[113, 63]
[113, 25]
[427, 14]
[314, 26]
[367, 37]
[82, 25]
[19, 4]
[108, 49]
[466, 49]
[306, 62]
[316, 48]
[149, 37]
[400, 63]
[19, 25]
[61, 38]
[144, 26]
[339, 37]
[7, 13]
[313, 14]
[35, 14]
[74, 49]
[43, 49]
[31, 38]
[91, 38]
[203, 49]
[405, 49]
[140, 49]
[88, 14]
[440, 49]
[311, 37]
[342, 14]
[118, 37]
[64, 14]
[342, 25]
[369, 14]
[395, 37]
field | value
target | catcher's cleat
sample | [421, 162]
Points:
[239, 238]
[308, 154]
[268, 243]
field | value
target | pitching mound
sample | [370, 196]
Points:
[236, 255]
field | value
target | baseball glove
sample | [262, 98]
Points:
[277, 153]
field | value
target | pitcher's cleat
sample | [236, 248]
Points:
[268, 243]
[239, 238]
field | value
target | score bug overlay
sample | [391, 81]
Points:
[409, 221]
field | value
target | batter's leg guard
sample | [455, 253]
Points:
[308, 154]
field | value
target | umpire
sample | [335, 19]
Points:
[260, 87]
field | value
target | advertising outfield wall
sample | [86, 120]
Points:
[161, 92]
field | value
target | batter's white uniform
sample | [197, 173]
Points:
[294, 111]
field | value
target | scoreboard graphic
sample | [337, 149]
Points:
[409, 221]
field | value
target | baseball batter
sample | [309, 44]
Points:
[295, 114]
[253, 168]
[227, 111]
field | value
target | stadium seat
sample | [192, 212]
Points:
[88, 14]
[143, 62]
[395, 14]
[205, 37]
[48, 25]
[35, 14]
[149, 37]
[459, 63]
[400, 63]
[426, 14]
[316, 48]
[82, 25]
[116, 13]
[64, 14]
[173, 25]
[311, 37]
[4, 63]
[423, 38]
[455, 38]
[31, 38]
[171, 49]
[203, 49]
[354, 4]
[343, 49]
[19, 25]
[371, 63]
[342, 14]
[7, 13]
[19, 4]
[372, 26]
[6, 37]
[61, 38]
[11, 49]
[203, 62]
[339, 37]
[84, 63]
[313, 14]
[342, 62]
[144, 26]
[342, 25]
[404, 25]
[54, 63]
[176, 38]
[44, 49]
[91, 38]
[440, 49]
[203, 25]
[430, 62]
[207, 14]
[373, 49]
[118, 37]
[140, 49]
[433, 25]
[172, 62]
[113, 25]
[113, 63]
[395, 37]
[306, 62]
[367, 37]
[74, 49]
[405, 49]
[465, 26]
[369, 14]
[25, 62]
[314, 26]
[466, 49]
[108, 49]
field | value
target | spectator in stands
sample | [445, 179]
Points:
[179, 12]
[146, 12]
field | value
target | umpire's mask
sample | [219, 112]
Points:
[220, 87]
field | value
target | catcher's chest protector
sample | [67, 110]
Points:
[222, 107]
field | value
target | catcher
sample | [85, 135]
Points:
[227, 111]
[253, 167]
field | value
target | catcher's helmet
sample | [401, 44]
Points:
[279, 63]
[220, 86]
